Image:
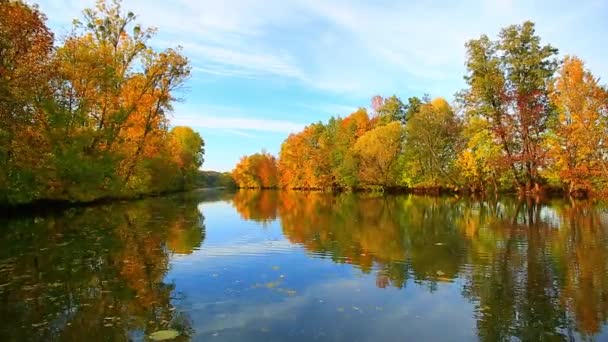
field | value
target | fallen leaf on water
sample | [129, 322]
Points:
[163, 335]
[272, 284]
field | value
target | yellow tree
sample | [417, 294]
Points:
[577, 145]
[378, 151]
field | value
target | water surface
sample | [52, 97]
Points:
[277, 266]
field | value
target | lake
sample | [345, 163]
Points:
[289, 266]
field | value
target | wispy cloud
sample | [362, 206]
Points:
[347, 47]
[235, 124]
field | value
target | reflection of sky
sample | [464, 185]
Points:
[247, 282]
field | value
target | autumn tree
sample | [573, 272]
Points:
[576, 143]
[89, 118]
[508, 86]
[479, 164]
[432, 135]
[26, 45]
[389, 109]
[258, 170]
[378, 152]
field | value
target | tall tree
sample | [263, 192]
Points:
[26, 45]
[508, 85]
[576, 143]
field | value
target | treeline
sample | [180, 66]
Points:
[87, 117]
[526, 122]
[214, 179]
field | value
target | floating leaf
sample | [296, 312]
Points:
[163, 335]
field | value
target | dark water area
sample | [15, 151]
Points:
[295, 266]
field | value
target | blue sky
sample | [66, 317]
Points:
[265, 68]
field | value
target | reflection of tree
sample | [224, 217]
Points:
[260, 206]
[543, 270]
[394, 235]
[95, 271]
[534, 270]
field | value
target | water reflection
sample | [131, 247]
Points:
[96, 272]
[534, 270]
[308, 265]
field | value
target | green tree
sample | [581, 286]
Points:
[508, 85]
[432, 138]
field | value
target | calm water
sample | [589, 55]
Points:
[270, 266]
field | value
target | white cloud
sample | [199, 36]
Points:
[238, 123]
[350, 47]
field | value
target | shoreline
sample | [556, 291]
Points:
[44, 206]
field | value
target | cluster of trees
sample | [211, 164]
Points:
[87, 117]
[527, 121]
[258, 170]
[526, 279]
[214, 179]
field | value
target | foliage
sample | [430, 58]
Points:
[89, 118]
[378, 152]
[432, 136]
[577, 147]
[258, 170]
[508, 86]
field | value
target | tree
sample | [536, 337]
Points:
[390, 109]
[258, 170]
[576, 143]
[26, 45]
[89, 118]
[187, 149]
[378, 152]
[508, 85]
[432, 135]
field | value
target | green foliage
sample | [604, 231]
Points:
[508, 86]
[432, 138]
